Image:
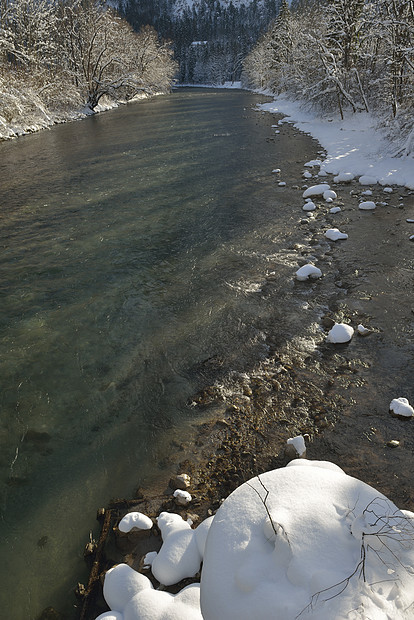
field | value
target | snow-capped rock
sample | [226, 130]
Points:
[316, 190]
[307, 272]
[335, 235]
[401, 407]
[340, 333]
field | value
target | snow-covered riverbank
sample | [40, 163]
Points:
[355, 146]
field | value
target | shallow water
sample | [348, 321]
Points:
[133, 246]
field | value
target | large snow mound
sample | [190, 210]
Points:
[308, 542]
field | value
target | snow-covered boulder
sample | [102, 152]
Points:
[401, 407]
[122, 583]
[179, 556]
[307, 272]
[316, 190]
[344, 177]
[333, 234]
[308, 542]
[366, 179]
[135, 521]
[158, 605]
[335, 210]
[309, 206]
[182, 498]
[340, 333]
[329, 195]
[367, 205]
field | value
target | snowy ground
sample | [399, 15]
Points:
[354, 146]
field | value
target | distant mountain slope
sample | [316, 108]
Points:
[227, 28]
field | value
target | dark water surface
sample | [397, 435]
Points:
[129, 254]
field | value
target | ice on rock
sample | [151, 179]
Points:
[282, 183]
[308, 271]
[401, 407]
[365, 179]
[111, 615]
[367, 205]
[340, 333]
[322, 173]
[316, 190]
[307, 175]
[289, 534]
[122, 583]
[367, 192]
[335, 210]
[135, 521]
[309, 206]
[276, 170]
[179, 556]
[329, 195]
[344, 177]
[388, 190]
[335, 235]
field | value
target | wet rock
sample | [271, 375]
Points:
[50, 614]
[327, 322]
[181, 481]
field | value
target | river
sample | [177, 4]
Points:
[133, 245]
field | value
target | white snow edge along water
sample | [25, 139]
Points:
[306, 540]
[355, 147]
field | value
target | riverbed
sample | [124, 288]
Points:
[148, 282]
[135, 244]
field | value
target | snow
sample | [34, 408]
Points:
[340, 333]
[298, 444]
[316, 190]
[329, 195]
[344, 177]
[354, 146]
[309, 206]
[306, 540]
[401, 406]
[179, 556]
[335, 210]
[363, 331]
[135, 521]
[182, 497]
[307, 556]
[335, 235]
[367, 205]
[307, 272]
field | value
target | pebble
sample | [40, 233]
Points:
[393, 443]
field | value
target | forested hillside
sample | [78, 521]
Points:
[341, 55]
[58, 56]
[210, 37]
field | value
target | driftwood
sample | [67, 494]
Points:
[97, 567]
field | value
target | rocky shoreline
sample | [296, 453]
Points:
[337, 396]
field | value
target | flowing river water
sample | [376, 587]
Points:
[146, 252]
[132, 246]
